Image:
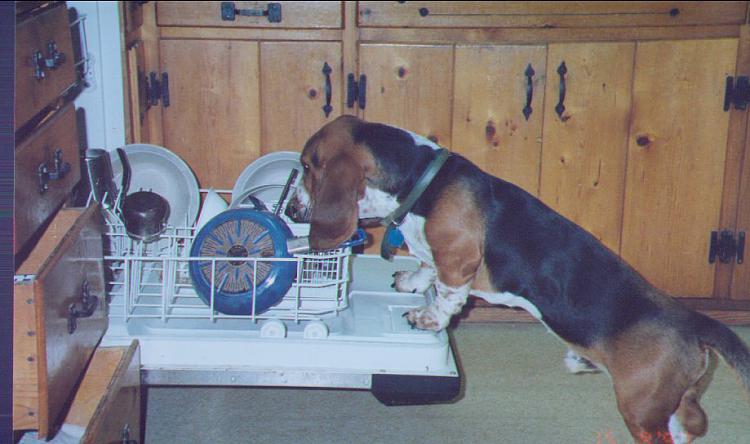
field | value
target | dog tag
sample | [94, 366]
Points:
[392, 239]
[395, 237]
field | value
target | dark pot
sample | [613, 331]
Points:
[145, 214]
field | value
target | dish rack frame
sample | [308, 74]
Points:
[152, 281]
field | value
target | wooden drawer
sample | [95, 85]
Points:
[108, 402]
[50, 352]
[34, 206]
[549, 14]
[293, 14]
[36, 88]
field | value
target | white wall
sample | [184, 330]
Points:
[103, 100]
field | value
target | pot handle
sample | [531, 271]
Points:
[126, 174]
[247, 195]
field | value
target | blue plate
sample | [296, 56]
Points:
[241, 233]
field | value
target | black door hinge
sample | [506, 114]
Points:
[157, 89]
[356, 91]
[737, 92]
[726, 247]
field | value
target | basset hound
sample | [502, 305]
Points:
[478, 235]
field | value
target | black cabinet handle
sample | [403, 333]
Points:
[53, 60]
[327, 108]
[529, 73]
[61, 169]
[561, 70]
[83, 309]
[229, 13]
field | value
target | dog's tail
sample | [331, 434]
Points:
[721, 338]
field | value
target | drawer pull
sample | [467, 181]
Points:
[53, 60]
[229, 12]
[61, 170]
[83, 309]
[529, 73]
[327, 108]
[126, 435]
[561, 71]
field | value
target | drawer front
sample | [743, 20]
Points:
[290, 14]
[44, 62]
[108, 402]
[34, 203]
[549, 14]
[52, 347]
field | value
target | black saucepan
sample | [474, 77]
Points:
[145, 215]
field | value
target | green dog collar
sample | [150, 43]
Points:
[393, 220]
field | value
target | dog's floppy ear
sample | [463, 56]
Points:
[334, 210]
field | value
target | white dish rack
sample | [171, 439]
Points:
[152, 281]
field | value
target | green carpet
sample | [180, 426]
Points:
[517, 390]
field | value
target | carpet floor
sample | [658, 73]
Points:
[515, 390]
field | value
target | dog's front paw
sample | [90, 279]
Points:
[412, 281]
[425, 318]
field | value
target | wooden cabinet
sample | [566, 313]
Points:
[60, 314]
[586, 115]
[243, 88]
[212, 121]
[44, 59]
[676, 161]
[611, 113]
[493, 86]
[107, 404]
[59, 301]
[47, 169]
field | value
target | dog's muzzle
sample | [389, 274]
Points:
[297, 210]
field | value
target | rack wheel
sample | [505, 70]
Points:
[315, 330]
[273, 328]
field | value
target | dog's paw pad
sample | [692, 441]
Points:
[424, 319]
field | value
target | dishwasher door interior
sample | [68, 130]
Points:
[368, 345]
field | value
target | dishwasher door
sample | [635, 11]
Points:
[369, 345]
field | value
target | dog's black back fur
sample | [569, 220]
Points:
[535, 253]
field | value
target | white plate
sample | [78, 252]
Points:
[268, 174]
[159, 170]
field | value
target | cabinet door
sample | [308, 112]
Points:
[136, 82]
[51, 345]
[212, 121]
[294, 91]
[676, 153]
[40, 40]
[410, 86]
[35, 202]
[741, 273]
[489, 126]
[584, 150]
[108, 402]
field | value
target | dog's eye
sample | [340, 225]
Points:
[306, 167]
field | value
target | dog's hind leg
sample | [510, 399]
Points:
[690, 421]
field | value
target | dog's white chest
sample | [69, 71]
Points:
[510, 300]
[415, 238]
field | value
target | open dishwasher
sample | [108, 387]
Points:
[338, 325]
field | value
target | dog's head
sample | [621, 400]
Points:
[335, 168]
[349, 160]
